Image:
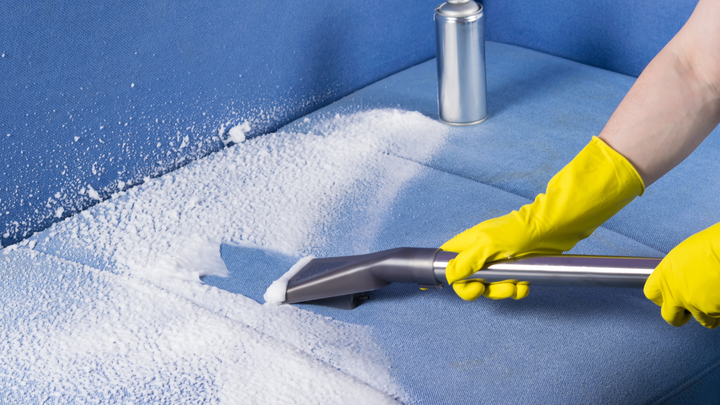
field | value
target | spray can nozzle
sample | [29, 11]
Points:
[458, 8]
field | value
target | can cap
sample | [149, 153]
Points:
[458, 8]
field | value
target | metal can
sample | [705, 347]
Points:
[460, 36]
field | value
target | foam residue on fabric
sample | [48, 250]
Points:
[237, 133]
[110, 307]
[275, 191]
[275, 294]
[74, 334]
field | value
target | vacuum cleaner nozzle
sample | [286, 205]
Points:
[342, 282]
[321, 281]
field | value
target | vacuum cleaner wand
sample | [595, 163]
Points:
[340, 281]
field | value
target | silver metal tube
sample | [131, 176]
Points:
[460, 40]
[562, 270]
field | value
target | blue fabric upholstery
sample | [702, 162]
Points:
[542, 111]
[93, 94]
[622, 36]
[703, 389]
[560, 345]
[71, 70]
[145, 87]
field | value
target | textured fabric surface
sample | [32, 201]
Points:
[542, 111]
[559, 345]
[73, 334]
[622, 36]
[703, 389]
[105, 94]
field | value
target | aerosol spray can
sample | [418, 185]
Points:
[462, 93]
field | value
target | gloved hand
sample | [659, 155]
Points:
[687, 281]
[594, 186]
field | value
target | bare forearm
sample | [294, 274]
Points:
[675, 103]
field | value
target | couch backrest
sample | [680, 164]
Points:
[97, 94]
[622, 36]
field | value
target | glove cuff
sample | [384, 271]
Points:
[622, 164]
[593, 187]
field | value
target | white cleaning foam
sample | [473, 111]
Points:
[139, 327]
[271, 191]
[93, 194]
[81, 335]
[275, 294]
[237, 133]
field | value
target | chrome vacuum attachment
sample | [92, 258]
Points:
[341, 282]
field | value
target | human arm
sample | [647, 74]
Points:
[675, 103]
[671, 109]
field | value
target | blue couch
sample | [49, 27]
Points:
[108, 95]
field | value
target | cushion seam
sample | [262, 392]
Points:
[697, 377]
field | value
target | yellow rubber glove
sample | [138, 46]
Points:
[594, 186]
[687, 281]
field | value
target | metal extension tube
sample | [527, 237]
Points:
[562, 270]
